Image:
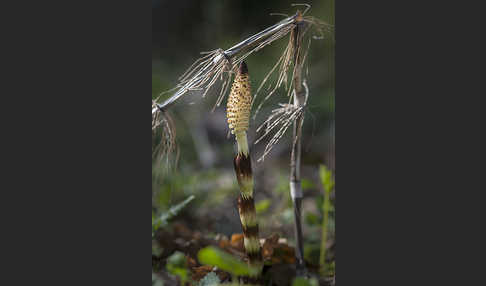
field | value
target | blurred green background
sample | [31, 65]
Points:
[180, 31]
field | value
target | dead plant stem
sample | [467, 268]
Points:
[295, 158]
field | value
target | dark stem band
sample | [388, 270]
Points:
[246, 209]
[242, 164]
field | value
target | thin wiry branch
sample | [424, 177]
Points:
[283, 117]
[163, 137]
[320, 26]
[280, 119]
[201, 76]
[284, 63]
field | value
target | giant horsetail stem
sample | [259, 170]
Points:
[238, 114]
[238, 107]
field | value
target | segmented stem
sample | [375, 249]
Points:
[295, 157]
[238, 114]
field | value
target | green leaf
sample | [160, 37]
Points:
[287, 216]
[300, 281]
[211, 279]
[176, 265]
[262, 206]
[213, 256]
[326, 178]
[156, 281]
[306, 184]
[311, 219]
[312, 252]
[156, 249]
[330, 269]
[328, 185]
[320, 203]
[163, 219]
[177, 259]
[282, 185]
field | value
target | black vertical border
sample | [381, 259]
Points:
[409, 153]
[78, 163]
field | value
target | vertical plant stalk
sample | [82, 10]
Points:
[328, 184]
[295, 157]
[238, 114]
[325, 211]
[325, 174]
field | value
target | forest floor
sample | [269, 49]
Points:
[209, 218]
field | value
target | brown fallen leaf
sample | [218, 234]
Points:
[268, 246]
[181, 230]
[199, 272]
[283, 253]
[191, 262]
[237, 241]
[223, 242]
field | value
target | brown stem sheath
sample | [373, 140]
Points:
[246, 209]
[238, 112]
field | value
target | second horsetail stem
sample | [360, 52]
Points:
[238, 114]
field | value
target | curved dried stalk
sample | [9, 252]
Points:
[205, 71]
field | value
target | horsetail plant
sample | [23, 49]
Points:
[238, 114]
[220, 64]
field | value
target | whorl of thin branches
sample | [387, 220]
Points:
[280, 120]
